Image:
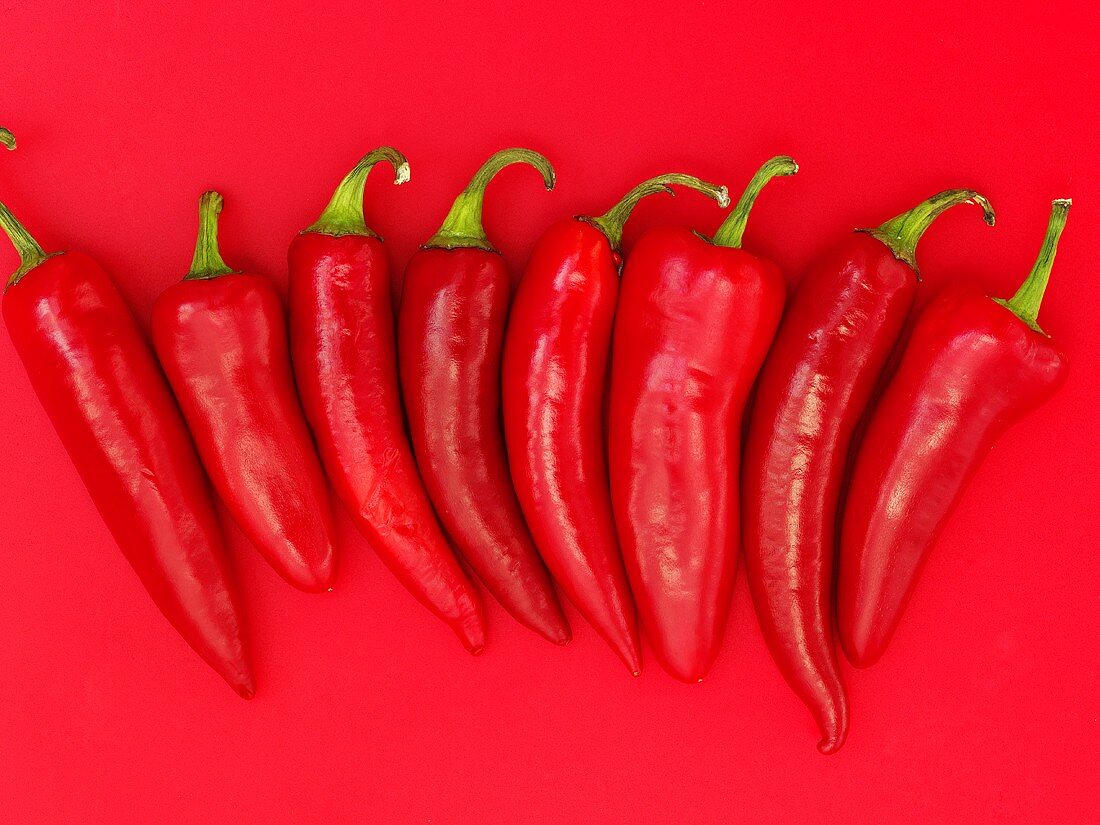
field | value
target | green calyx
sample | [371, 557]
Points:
[902, 233]
[31, 254]
[611, 222]
[462, 228]
[1028, 299]
[344, 213]
[733, 227]
[208, 262]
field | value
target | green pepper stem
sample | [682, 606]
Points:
[902, 233]
[462, 227]
[1029, 297]
[30, 252]
[344, 213]
[208, 262]
[611, 222]
[733, 227]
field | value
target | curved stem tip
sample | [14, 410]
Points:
[902, 233]
[344, 213]
[30, 252]
[733, 227]
[611, 222]
[463, 227]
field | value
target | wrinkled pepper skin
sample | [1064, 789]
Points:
[971, 368]
[453, 313]
[98, 381]
[694, 322]
[555, 372]
[454, 308]
[833, 342]
[343, 349]
[555, 363]
[222, 342]
[693, 325]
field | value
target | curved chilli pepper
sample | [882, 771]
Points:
[343, 349]
[972, 367]
[450, 333]
[555, 366]
[100, 385]
[694, 322]
[221, 338]
[832, 344]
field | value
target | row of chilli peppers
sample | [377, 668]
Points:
[622, 389]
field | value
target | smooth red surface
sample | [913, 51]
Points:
[554, 384]
[222, 342]
[970, 369]
[343, 346]
[986, 705]
[98, 381]
[693, 323]
[454, 307]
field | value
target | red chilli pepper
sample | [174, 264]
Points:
[221, 338]
[973, 366]
[343, 348]
[99, 383]
[694, 322]
[454, 309]
[832, 344]
[555, 368]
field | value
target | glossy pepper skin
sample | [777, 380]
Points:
[454, 308]
[972, 367]
[831, 346]
[343, 349]
[694, 321]
[554, 377]
[99, 383]
[221, 338]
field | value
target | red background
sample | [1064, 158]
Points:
[984, 709]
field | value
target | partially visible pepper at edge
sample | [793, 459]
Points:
[100, 385]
